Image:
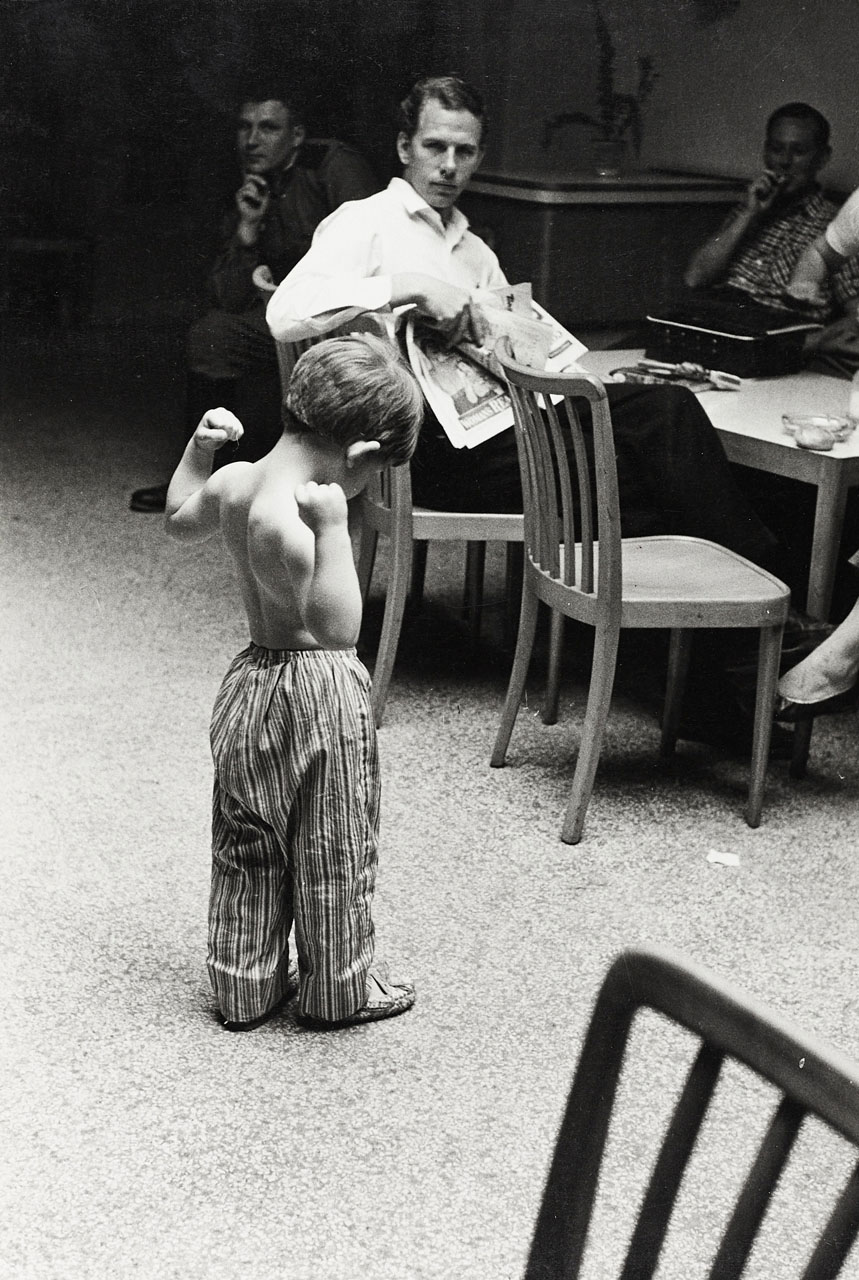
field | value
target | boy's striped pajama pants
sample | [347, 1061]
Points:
[295, 818]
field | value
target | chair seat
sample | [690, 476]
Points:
[690, 572]
[675, 581]
[466, 526]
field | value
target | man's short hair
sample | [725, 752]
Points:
[356, 388]
[802, 111]
[291, 95]
[452, 92]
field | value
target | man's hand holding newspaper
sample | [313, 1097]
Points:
[464, 384]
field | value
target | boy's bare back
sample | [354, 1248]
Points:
[284, 520]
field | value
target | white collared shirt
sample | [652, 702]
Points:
[357, 250]
[842, 234]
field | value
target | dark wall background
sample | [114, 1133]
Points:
[117, 114]
[119, 125]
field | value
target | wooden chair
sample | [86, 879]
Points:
[577, 563]
[287, 352]
[387, 509]
[812, 1078]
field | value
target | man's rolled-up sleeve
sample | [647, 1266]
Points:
[842, 234]
[337, 279]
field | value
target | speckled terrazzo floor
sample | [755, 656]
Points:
[139, 1138]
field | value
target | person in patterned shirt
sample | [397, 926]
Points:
[784, 210]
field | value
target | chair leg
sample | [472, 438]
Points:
[475, 565]
[801, 747]
[514, 569]
[419, 570]
[553, 682]
[769, 653]
[395, 605]
[367, 559]
[679, 652]
[593, 731]
[518, 675]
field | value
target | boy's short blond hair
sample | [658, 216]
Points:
[356, 388]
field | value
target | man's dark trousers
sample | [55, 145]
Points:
[673, 474]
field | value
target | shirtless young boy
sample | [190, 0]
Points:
[296, 795]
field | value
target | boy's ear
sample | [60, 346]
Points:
[360, 450]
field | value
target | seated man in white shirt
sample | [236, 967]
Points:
[409, 245]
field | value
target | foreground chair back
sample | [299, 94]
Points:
[577, 563]
[811, 1077]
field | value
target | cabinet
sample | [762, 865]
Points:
[599, 251]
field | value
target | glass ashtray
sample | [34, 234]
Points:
[837, 428]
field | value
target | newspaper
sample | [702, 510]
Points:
[465, 386]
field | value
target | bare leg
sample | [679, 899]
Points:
[830, 669]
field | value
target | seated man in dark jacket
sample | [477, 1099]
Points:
[289, 184]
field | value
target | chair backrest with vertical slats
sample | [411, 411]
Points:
[569, 478]
[287, 352]
[387, 502]
[812, 1078]
[287, 357]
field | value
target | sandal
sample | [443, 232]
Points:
[388, 1000]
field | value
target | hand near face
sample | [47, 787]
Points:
[252, 200]
[217, 427]
[322, 507]
[764, 190]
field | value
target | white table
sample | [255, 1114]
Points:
[750, 427]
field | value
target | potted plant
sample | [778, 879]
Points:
[618, 120]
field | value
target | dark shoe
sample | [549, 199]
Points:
[388, 1001]
[291, 989]
[736, 739]
[791, 712]
[154, 499]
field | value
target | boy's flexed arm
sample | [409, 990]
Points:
[329, 596]
[192, 509]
